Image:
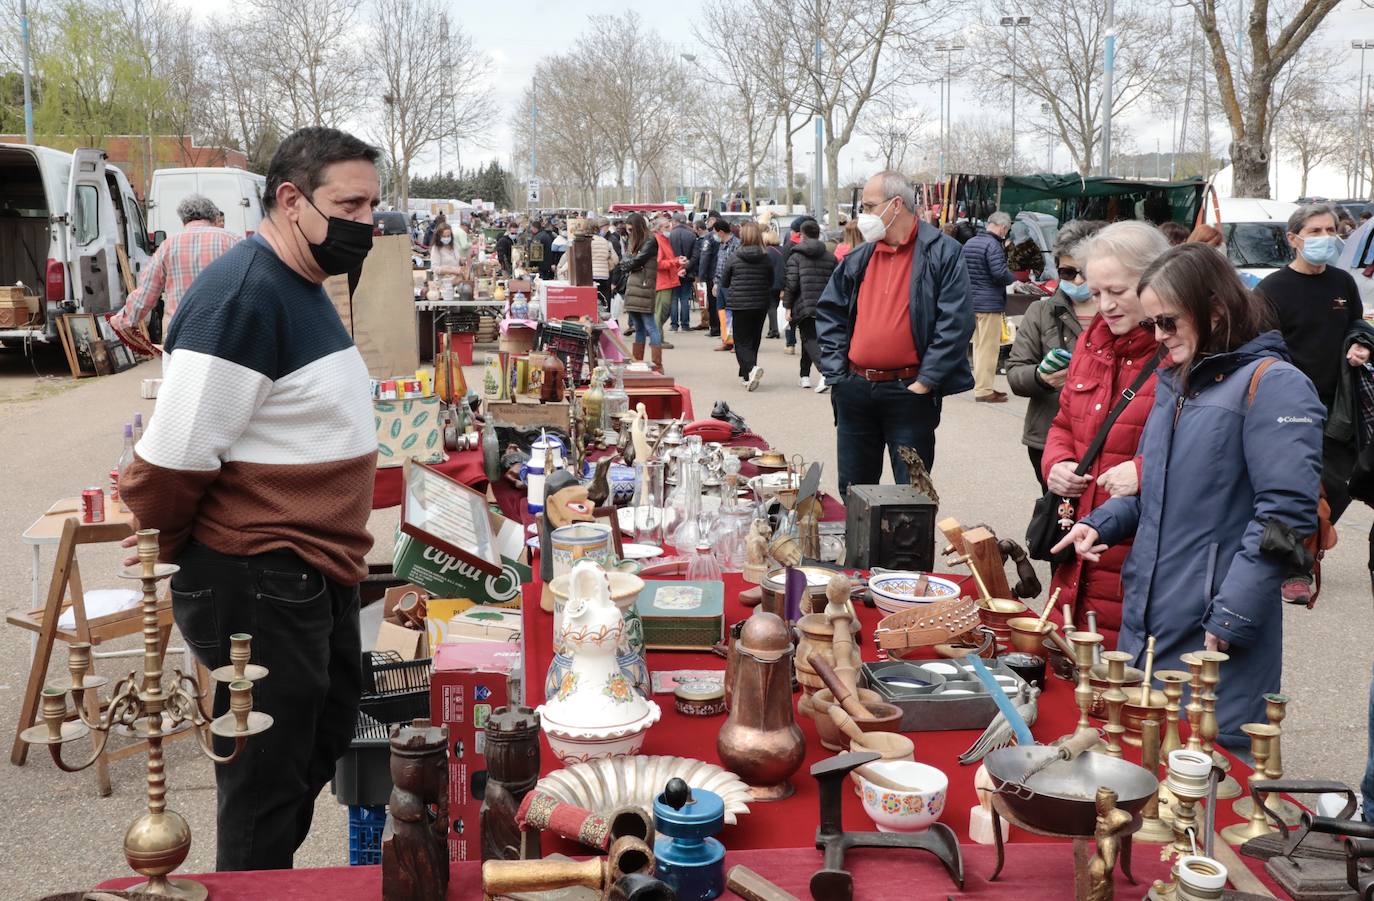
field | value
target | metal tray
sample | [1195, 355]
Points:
[934, 708]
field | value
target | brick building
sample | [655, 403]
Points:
[130, 153]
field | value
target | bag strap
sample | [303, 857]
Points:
[1126, 396]
[1254, 380]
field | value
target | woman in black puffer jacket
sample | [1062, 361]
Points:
[748, 279]
[808, 272]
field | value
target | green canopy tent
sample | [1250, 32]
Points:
[1073, 196]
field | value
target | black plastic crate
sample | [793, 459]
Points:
[362, 776]
[394, 690]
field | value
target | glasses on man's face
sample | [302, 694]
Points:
[869, 206]
[1069, 273]
[1166, 324]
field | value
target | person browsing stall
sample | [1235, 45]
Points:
[893, 325]
[257, 468]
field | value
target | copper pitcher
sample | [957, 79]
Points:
[761, 741]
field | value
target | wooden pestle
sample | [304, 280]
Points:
[1149, 670]
[845, 723]
[752, 887]
[846, 655]
[867, 772]
[847, 699]
[1049, 606]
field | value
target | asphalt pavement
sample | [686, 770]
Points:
[60, 436]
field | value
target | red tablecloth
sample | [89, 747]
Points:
[465, 466]
[879, 875]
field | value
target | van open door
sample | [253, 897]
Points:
[89, 260]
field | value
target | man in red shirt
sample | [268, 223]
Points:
[893, 325]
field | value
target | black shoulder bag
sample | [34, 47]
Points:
[1045, 531]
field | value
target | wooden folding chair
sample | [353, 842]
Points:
[64, 591]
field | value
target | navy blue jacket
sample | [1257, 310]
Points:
[988, 275]
[681, 239]
[702, 263]
[1208, 483]
[938, 302]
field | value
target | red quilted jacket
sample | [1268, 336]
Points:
[1103, 366]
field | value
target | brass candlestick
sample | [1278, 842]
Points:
[1194, 709]
[1287, 811]
[1211, 675]
[1261, 735]
[156, 842]
[1275, 709]
[1173, 692]
[1114, 697]
[1153, 830]
[1084, 644]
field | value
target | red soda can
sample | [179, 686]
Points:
[410, 388]
[92, 505]
[388, 390]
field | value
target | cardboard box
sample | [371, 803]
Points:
[444, 576]
[517, 339]
[410, 644]
[570, 302]
[484, 623]
[470, 682]
[525, 411]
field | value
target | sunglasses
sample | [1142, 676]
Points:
[1068, 273]
[1166, 324]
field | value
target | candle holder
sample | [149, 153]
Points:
[1211, 675]
[1189, 773]
[1261, 736]
[1114, 698]
[157, 842]
[1153, 829]
[1084, 646]
[1194, 709]
[1286, 810]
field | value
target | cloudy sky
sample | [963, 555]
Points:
[552, 26]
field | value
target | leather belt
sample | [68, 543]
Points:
[885, 375]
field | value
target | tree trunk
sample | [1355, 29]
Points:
[1250, 168]
[832, 187]
[790, 188]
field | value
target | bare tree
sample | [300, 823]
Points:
[715, 140]
[238, 108]
[982, 147]
[568, 137]
[894, 126]
[311, 55]
[1247, 85]
[431, 83]
[1060, 64]
[784, 76]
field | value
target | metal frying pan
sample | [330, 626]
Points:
[1062, 797]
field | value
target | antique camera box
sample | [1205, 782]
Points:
[471, 681]
[892, 526]
[682, 616]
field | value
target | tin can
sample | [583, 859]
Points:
[387, 391]
[375, 385]
[92, 505]
[426, 382]
[520, 375]
[411, 388]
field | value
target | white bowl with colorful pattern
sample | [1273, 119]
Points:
[912, 810]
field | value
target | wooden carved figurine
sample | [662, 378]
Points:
[639, 434]
[1110, 824]
[756, 551]
[565, 501]
[512, 754]
[415, 840]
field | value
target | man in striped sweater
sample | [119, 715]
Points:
[257, 467]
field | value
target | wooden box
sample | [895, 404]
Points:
[526, 412]
[14, 313]
[892, 526]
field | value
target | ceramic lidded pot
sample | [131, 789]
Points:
[596, 711]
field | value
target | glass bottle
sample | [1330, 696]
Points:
[648, 502]
[703, 567]
[615, 399]
[594, 399]
[126, 457]
[688, 532]
[138, 427]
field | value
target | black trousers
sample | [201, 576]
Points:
[773, 318]
[1037, 454]
[305, 631]
[810, 346]
[713, 318]
[871, 416]
[747, 327]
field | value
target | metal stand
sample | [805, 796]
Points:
[1083, 847]
[834, 882]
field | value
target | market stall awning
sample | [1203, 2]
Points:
[1074, 196]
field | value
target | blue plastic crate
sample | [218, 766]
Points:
[365, 825]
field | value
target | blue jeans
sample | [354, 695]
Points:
[646, 329]
[872, 415]
[680, 313]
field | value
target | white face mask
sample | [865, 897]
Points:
[872, 226]
[446, 239]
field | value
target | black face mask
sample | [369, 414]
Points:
[346, 244]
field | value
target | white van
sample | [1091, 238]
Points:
[238, 194]
[62, 218]
[1255, 231]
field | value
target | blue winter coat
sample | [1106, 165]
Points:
[937, 304]
[988, 275]
[1215, 469]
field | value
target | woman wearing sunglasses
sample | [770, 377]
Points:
[1112, 358]
[1231, 468]
[1038, 363]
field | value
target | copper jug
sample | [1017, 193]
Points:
[761, 741]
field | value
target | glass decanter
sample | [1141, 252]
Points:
[614, 399]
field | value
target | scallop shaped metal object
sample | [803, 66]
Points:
[605, 784]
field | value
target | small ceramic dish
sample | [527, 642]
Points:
[944, 669]
[912, 810]
[641, 551]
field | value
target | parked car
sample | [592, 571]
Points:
[237, 193]
[63, 218]
[390, 222]
[1255, 231]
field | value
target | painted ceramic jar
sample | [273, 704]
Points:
[596, 711]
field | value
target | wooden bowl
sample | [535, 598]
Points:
[884, 717]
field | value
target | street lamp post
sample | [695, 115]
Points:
[1049, 139]
[948, 48]
[1108, 71]
[28, 89]
[1361, 46]
[1014, 23]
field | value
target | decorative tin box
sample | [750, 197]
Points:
[682, 616]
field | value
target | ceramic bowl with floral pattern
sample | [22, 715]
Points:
[912, 810]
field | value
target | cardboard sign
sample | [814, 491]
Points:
[569, 302]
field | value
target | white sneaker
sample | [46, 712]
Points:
[745, 382]
[755, 376]
[805, 381]
[822, 387]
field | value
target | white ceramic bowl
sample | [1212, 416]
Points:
[905, 811]
[892, 592]
[576, 744]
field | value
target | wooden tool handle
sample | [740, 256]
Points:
[504, 877]
[1049, 606]
[843, 696]
[846, 655]
[845, 723]
[1077, 743]
[867, 772]
[752, 887]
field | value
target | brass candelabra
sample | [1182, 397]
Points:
[1211, 676]
[156, 843]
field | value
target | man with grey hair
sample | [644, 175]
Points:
[893, 326]
[175, 264]
[988, 278]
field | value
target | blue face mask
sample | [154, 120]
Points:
[1075, 292]
[1321, 249]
